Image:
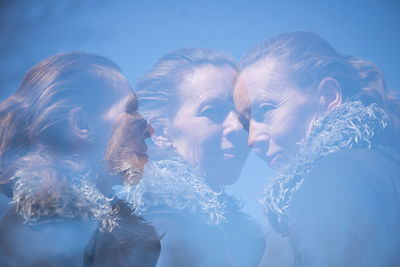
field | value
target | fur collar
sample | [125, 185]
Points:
[351, 125]
[173, 184]
[43, 192]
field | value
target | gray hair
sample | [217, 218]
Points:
[30, 118]
[156, 90]
[305, 58]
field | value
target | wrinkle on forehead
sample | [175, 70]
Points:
[259, 71]
[208, 83]
[263, 78]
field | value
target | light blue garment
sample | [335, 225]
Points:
[200, 227]
[339, 200]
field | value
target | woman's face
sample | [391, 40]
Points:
[206, 131]
[127, 149]
[110, 107]
[278, 114]
[120, 133]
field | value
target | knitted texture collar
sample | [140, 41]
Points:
[351, 125]
[44, 193]
[173, 184]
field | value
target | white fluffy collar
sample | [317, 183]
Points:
[42, 192]
[348, 126]
[173, 184]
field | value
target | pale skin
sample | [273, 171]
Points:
[278, 113]
[279, 116]
[206, 131]
[90, 130]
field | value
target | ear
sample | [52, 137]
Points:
[330, 93]
[80, 125]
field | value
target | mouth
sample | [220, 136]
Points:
[274, 159]
[229, 153]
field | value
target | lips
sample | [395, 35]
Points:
[229, 153]
[229, 156]
[273, 159]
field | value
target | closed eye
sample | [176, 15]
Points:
[267, 107]
[263, 111]
[213, 113]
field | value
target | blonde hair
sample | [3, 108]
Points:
[30, 119]
[304, 58]
[157, 89]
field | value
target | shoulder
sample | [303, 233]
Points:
[52, 241]
[133, 241]
[133, 226]
[355, 167]
[346, 198]
[131, 229]
[350, 182]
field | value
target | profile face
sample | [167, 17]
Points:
[119, 133]
[206, 131]
[278, 114]
[127, 149]
[109, 109]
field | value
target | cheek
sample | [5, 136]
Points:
[195, 138]
[206, 146]
[290, 126]
[285, 123]
[202, 134]
[211, 138]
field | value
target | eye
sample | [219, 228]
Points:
[213, 113]
[263, 111]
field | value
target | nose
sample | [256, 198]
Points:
[150, 130]
[145, 128]
[139, 128]
[251, 138]
[231, 124]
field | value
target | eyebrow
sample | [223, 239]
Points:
[113, 113]
[216, 101]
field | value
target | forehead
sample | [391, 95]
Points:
[107, 87]
[113, 113]
[118, 95]
[208, 82]
[264, 79]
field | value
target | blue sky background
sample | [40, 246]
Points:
[136, 33]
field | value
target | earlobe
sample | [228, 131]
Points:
[79, 125]
[330, 93]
